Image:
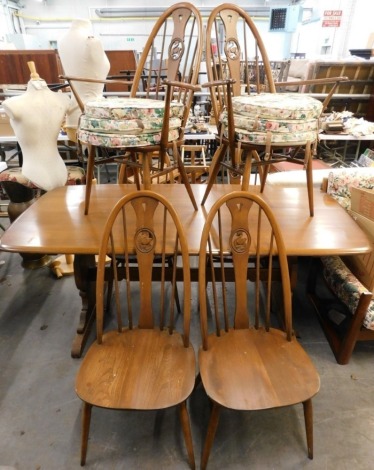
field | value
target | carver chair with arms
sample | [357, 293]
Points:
[148, 127]
[147, 361]
[255, 124]
[246, 363]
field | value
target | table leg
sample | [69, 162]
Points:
[82, 265]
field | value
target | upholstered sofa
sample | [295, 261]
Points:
[351, 278]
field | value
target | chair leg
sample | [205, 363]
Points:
[247, 171]
[212, 428]
[184, 175]
[308, 417]
[214, 169]
[89, 176]
[86, 419]
[186, 427]
[309, 177]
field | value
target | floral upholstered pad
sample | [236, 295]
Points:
[346, 286]
[123, 140]
[283, 106]
[284, 126]
[340, 181]
[131, 108]
[260, 138]
[126, 126]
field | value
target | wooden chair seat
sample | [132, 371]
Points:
[156, 361]
[255, 367]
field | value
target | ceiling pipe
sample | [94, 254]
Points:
[129, 12]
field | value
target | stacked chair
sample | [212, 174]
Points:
[150, 124]
[254, 123]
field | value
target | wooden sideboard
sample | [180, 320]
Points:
[14, 68]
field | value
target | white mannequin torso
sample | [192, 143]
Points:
[36, 118]
[82, 55]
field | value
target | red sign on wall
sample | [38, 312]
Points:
[332, 18]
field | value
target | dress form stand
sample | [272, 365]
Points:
[82, 55]
[36, 117]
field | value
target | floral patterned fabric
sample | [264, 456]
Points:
[346, 286]
[278, 119]
[282, 106]
[76, 175]
[260, 138]
[339, 182]
[126, 126]
[123, 140]
[259, 124]
[128, 122]
[131, 108]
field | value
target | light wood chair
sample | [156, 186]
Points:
[232, 40]
[167, 71]
[245, 363]
[147, 362]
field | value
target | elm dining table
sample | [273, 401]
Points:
[56, 224]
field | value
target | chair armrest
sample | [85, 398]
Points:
[89, 80]
[184, 85]
[228, 81]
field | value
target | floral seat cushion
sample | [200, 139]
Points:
[272, 118]
[126, 126]
[282, 126]
[124, 140]
[276, 138]
[131, 108]
[128, 122]
[346, 286]
[284, 106]
[339, 183]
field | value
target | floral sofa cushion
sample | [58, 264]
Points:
[340, 181]
[346, 286]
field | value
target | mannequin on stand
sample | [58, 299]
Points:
[82, 55]
[36, 117]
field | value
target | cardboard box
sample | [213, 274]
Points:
[362, 202]
[5, 127]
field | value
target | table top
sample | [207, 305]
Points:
[56, 223]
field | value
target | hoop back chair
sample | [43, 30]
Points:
[245, 363]
[147, 362]
[150, 123]
[254, 123]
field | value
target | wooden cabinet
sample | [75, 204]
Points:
[119, 62]
[14, 68]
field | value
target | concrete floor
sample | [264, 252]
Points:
[40, 413]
